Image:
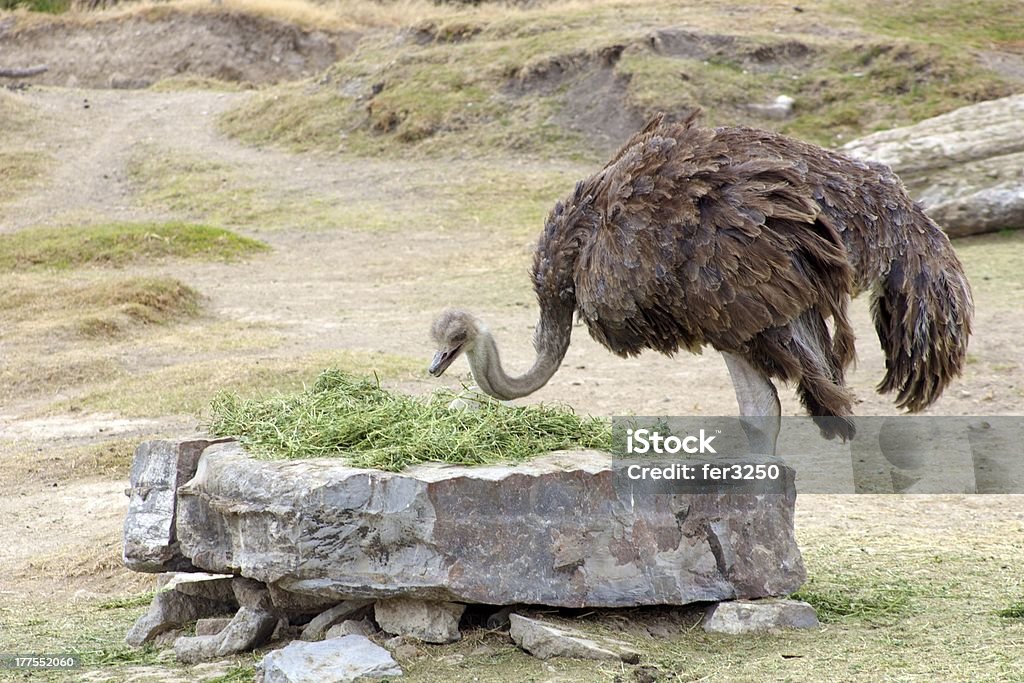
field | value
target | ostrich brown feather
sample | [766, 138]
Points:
[753, 243]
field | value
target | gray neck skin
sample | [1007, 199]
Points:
[551, 341]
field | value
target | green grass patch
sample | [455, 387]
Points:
[131, 602]
[118, 244]
[226, 195]
[857, 599]
[352, 417]
[47, 6]
[1014, 611]
[976, 23]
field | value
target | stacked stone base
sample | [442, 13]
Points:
[309, 546]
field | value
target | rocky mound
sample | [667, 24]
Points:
[136, 50]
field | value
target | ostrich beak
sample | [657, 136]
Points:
[442, 359]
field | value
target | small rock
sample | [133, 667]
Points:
[736, 617]
[251, 593]
[431, 622]
[316, 629]
[350, 627]
[780, 108]
[545, 641]
[119, 81]
[402, 647]
[166, 639]
[249, 629]
[195, 649]
[483, 651]
[339, 660]
[406, 652]
[211, 626]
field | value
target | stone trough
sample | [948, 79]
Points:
[316, 542]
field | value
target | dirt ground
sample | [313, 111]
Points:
[137, 51]
[377, 291]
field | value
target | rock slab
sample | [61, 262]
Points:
[544, 641]
[338, 660]
[158, 469]
[431, 622]
[740, 617]
[559, 531]
[966, 167]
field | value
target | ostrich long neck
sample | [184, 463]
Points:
[551, 341]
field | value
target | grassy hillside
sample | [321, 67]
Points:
[574, 78]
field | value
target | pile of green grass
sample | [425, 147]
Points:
[117, 244]
[354, 418]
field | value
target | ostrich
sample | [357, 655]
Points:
[750, 242]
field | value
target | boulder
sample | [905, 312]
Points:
[544, 641]
[339, 660]
[431, 622]
[740, 617]
[965, 167]
[158, 469]
[559, 530]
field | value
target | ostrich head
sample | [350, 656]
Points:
[454, 332]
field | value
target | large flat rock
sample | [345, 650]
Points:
[556, 531]
[966, 167]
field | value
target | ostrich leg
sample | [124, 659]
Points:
[759, 404]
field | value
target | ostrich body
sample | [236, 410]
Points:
[750, 242]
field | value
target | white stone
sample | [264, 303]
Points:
[338, 660]
[545, 641]
[738, 617]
